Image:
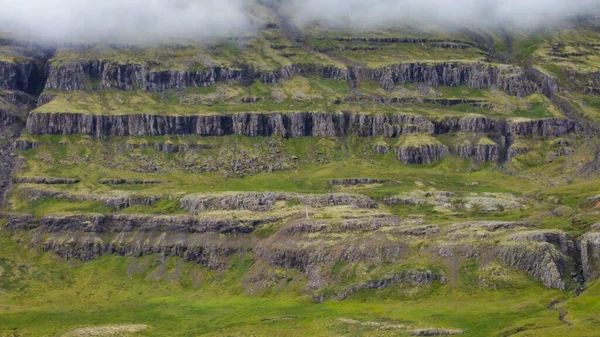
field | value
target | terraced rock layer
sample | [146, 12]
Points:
[293, 124]
[78, 75]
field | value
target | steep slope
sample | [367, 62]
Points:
[311, 165]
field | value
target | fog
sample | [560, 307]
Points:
[519, 14]
[132, 21]
[128, 21]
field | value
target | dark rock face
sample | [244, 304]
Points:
[86, 237]
[109, 75]
[593, 82]
[511, 80]
[545, 255]
[589, 245]
[421, 154]
[129, 182]
[261, 202]
[117, 202]
[479, 152]
[411, 277]
[132, 223]
[45, 99]
[18, 76]
[486, 152]
[547, 84]
[381, 148]
[9, 161]
[6, 118]
[204, 249]
[26, 144]
[475, 124]
[549, 127]
[295, 124]
[45, 181]
[356, 181]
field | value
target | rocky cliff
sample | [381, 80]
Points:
[510, 79]
[23, 75]
[103, 74]
[293, 124]
[7, 118]
[482, 151]
[426, 153]
[590, 256]
[542, 127]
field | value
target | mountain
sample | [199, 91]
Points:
[303, 180]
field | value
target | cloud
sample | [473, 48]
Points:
[133, 21]
[469, 13]
[121, 20]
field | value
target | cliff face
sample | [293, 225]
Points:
[542, 127]
[589, 246]
[512, 80]
[6, 118]
[311, 245]
[99, 74]
[476, 124]
[479, 152]
[85, 74]
[547, 84]
[295, 124]
[421, 154]
[23, 76]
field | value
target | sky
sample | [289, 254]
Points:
[130, 21]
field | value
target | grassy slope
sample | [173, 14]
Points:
[47, 296]
[43, 295]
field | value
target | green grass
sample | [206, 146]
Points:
[185, 299]
[538, 110]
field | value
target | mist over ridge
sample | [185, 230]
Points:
[366, 14]
[149, 21]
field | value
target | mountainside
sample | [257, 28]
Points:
[303, 181]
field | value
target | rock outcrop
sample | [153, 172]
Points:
[82, 74]
[547, 84]
[547, 127]
[26, 144]
[294, 124]
[544, 255]
[7, 118]
[19, 76]
[134, 223]
[472, 123]
[104, 74]
[115, 201]
[45, 181]
[129, 182]
[518, 149]
[262, 202]
[412, 277]
[356, 181]
[512, 80]
[410, 152]
[589, 245]
[483, 151]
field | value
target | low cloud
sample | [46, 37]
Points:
[133, 21]
[121, 20]
[522, 14]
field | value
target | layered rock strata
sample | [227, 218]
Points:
[288, 125]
